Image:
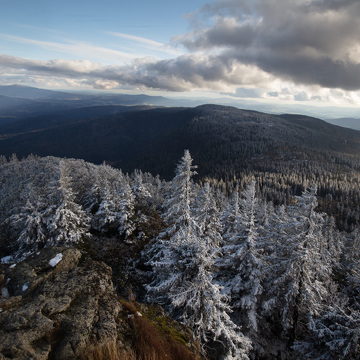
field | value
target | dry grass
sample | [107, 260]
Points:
[148, 343]
[108, 351]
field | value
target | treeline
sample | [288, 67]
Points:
[251, 278]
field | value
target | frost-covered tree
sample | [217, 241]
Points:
[93, 196]
[69, 223]
[116, 206]
[230, 216]
[30, 223]
[126, 210]
[183, 265]
[138, 187]
[242, 263]
[203, 306]
[333, 335]
[300, 274]
[106, 216]
[207, 217]
[165, 254]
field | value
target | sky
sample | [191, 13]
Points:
[302, 52]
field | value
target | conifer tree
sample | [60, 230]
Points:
[242, 263]
[116, 205]
[126, 210]
[183, 263]
[207, 217]
[166, 253]
[300, 283]
[31, 220]
[69, 224]
[106, 216]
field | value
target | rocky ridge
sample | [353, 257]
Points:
[61, 304]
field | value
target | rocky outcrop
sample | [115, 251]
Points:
[60, 304]
[57, 309]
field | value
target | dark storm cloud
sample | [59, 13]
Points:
[311, 42]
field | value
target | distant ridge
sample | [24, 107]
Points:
[28, 92]
[223, 140]
[78, 99]
[351, 123]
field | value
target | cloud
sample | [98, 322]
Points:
[74, 48]
[183, 73]
[286, 50]
[137, 39]
[307, 42]
[155, 46]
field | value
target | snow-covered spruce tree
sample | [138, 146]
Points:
[203, 306]
[126, 210]
[69, 223]
[300, 283]
[242, 263]
[207, 216]
[115, 208]
[165, 253]
[138, 187]
[93, 196]
[335, 335]
[102, 199]
[230, 216]
[183, 263]
[105, 218]
[31, 220]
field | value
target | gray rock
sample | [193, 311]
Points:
[64, 309]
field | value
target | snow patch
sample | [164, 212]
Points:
[5, 293]
[54, 261]
[12, 266]
[25, 287]
[7, 259]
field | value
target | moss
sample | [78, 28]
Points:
[165, 325]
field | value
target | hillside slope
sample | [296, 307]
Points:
[284, 153]
[223, 140]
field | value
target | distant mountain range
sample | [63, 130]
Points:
[223, 140]
[346, 122]
[24, 101]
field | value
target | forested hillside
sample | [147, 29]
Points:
[252, 279]
[285, 154]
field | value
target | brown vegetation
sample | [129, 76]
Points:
[149, 341]
[109, 350]
[151, 344]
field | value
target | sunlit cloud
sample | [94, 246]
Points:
[182, 74]
[308, 42]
